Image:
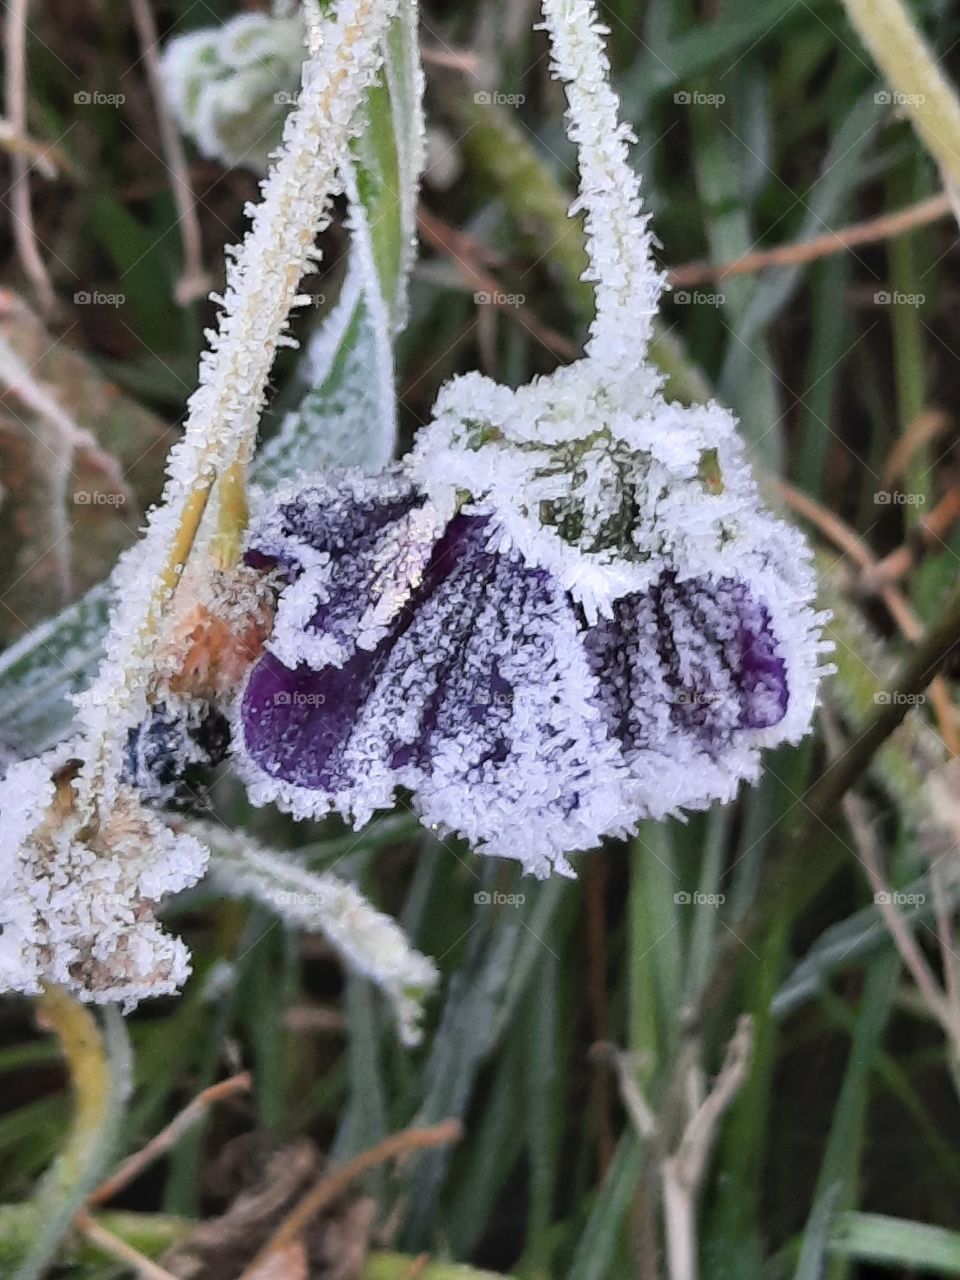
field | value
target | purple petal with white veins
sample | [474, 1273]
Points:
[479, 700]
[698, 657]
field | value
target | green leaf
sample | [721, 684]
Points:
[874, 1237]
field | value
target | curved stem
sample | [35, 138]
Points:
[628, 284]
[917, 83]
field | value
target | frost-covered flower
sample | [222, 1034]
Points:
[566, 611]
[78, 902]
[230, 86]
[422, 648]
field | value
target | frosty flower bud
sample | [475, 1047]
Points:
[230, 86]
[78, 902]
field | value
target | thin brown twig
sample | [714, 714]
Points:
[41, 155]
[194, 282]
[926, 426]
[24, 231]
[159, 1145]
[861, 828]
[885, 227]
[928, 532]
[114, 1247]
[335, 1183]
[459, 249]
[451, 59]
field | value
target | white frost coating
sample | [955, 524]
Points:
[223, 413]
[628, 285]
[367, 940]
[230, 86]
[77, 909]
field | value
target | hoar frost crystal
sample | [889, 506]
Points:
[566, 611]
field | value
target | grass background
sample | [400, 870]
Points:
[849, 1104]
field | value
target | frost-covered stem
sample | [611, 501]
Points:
[223, 413]
[628, 283]
[909, 68]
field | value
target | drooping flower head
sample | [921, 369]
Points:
[567, 610]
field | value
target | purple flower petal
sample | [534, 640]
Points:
[479, 700]
[349, 545]
[697, 656]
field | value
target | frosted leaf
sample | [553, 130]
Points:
[230, 86]
[367, 940]
[40, 672]
[403, 75]
[347, 416]
[77, 905]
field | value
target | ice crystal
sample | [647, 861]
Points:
[567, 611]
[77, 905]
